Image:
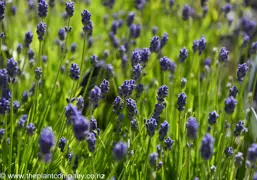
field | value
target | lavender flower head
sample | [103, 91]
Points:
[71, 112]
[213, 116]
[130, 18]
[80, 127]
[117, 104]
[38, 73]
[162, 93]
[127, 87]
[246, 40]
[46, 142]
[230, 104]
[2, 9]
[119, 150]
[195, 46]
[151, 125]
[91, 142]
[241, 71]
[140, 4]
[12, 68]
[145, 55]
[74, 72]
[61, 34]
[186, 12]
[183, 54]
[192, 127]
[252, 153]
[202, 45]
[30, 129]
[181, 101]
[137, 71]
[158, 110]
[207, 147]
[22, 121]
[228, 151]
[69, 9]
[86, 21]
[62, 143]
[28, 38]
[42, 9]
[3, 78]
[239, 159]
[155, 44]
[168, 143]
[223, 55]
[95, 95]
[164, 127]
[135, 57]
[104, 86]
[233, 91]
[227, 8]
[167, 65]
[131, 108]
[239, 128]
[41, 30]
[80, 103]
[164, 40]
[153, 159]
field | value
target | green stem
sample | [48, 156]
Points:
[11, 134]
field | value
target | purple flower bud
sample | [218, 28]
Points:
[95, 95]
[74, 72]
[207, 147]
[223, 55]
[162, 93]
[213, 116]
[62, 143]
[233, 91]
[230, 104]
[239, 159]
[131, 108]
[80, 127]
[164, 40]
[186, 13]
[168, 143]
[91, 142]
[80, 103]
[46, 142]
[252, 153]
[2, 9]
[127, 87]
[61, 34]
[130, 18]
[183, 54]
[151, 125]
[30, 129]
[41, 30]
[239, 128]
[241, 71]
[12, 67]
[137, 71]
[104, 86]
[119, 150]
[153, 159]
[117, 104]
[192, 128]
[228, 151]
[42, 9]
[164, 127]
[155, 44]
[181, 101]
[69, 8]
